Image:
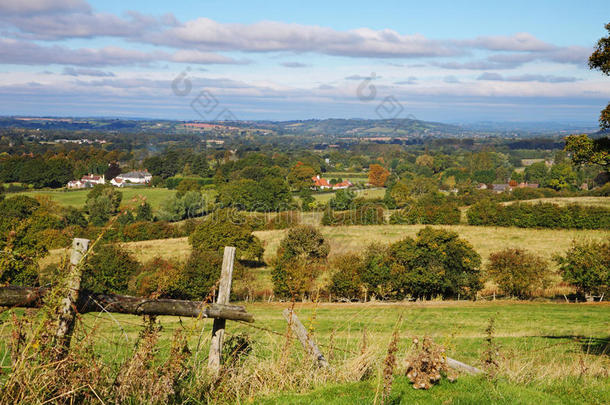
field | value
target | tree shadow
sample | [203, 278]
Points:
[588, 344]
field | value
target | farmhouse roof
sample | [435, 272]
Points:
[134, 175]
[320, 182]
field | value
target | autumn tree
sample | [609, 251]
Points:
[600, 60]
[300, 176]
[378, 175]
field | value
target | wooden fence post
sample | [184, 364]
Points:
[224, 292]
[67, 308]
[308, 343]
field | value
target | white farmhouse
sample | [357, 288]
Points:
[134, 177]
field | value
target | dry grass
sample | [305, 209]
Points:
[544, 242]
[562, 201]
[346, 239]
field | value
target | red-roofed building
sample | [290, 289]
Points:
[87, 181]
[320, 183]
[343, 185]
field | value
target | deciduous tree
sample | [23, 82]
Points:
[378, 175]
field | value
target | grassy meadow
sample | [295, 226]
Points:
[345, 239]
[549, 353]
[562, 201]
[77, 198]
[368, 193]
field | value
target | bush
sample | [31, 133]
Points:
[53, 238]
[283, 220]
[586, 266]
[345, 282]
[438, 262]
[432, 209]
[304, 241]
[300, 258]
[342, 200]
[541, 215]
[74, 216]
[227, 228]
[139, 231]
[376, 272]
[518, 272]
[199, 275]
[186, 185]
[364, 214]
[16, 209]
[109, 269]
[144, 212]
[157, 280]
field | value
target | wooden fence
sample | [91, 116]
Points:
[76, 301]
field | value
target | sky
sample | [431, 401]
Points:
[447, 61]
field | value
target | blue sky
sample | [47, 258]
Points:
[446, 61]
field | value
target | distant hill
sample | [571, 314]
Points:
[355, 127]
[336, 127]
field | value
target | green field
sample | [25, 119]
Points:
[368, 193]
[77, 198]
[549, 353]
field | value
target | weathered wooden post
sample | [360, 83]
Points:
[224, 292]
[308, 343]
[67, 308]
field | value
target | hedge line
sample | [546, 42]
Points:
[541, 215]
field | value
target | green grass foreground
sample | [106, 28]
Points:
[549, 352]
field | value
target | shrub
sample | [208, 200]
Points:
[188, 226]
[187, 185]
[518, 272]
[283, 220]
[305, 241]
[144, 212]
[342, 200]
[345, 282]
[157, 280]
[431, 209]
[438, 262]
[53, 238]
[541, 215]
[111, 193]
[376, 272]
[365, 214]
[271, 193]
[227, 228]
[100, 209]
[138, 231]
[199, 275]
[74, 216]
[300, 257]
[109, 269]
[16, 209]
[586, 265]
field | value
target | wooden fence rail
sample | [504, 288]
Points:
[32, 297]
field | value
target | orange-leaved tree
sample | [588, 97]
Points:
[378, 175]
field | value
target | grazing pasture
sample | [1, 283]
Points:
[77, 198]
[548, 353]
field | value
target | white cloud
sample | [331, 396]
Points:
[42, 6]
